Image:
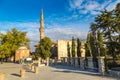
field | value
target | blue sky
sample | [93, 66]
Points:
[63, 18]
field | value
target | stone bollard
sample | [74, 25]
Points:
[32, 68]
[90, 63]
[36, 70]
[2, 76]
[82, 67]
[101, 65]
[22, 73]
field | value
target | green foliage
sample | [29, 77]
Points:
[93, 45]
[87, 47]
[44, 48]
[68, 49]
[100, 43]
[73, 47]
[90, 46]
[108, 23]
[78, 47]
[11, 41]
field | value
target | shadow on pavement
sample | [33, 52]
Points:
[14, 74]
[71, 69]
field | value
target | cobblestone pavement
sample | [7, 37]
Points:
[59, 72]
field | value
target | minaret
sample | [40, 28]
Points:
[41, 29]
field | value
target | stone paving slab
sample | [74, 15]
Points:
[49, 73]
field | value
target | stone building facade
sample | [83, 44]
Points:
[21, 53]
[62, 48]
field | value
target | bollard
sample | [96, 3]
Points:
[29, 66]
[32, 68]
[36, 70]
[2, 76]
[22, 73]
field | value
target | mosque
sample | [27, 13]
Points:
[59, 48]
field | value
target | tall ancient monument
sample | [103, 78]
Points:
[41, 29]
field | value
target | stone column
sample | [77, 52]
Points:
[76, 62]
[72, 61]
[66, 60]
[55, 61]
[47, 61]
[62, 60]
[82, 63]
[101, 65]
[90, 62]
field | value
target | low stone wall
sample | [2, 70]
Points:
[115, 74]
[83, 64]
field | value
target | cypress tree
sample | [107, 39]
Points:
[73, 47]
[88, 47]
[78, 47]
[68, 49]
[100, 44]
[93, 45]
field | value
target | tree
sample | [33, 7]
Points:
[87, 47]
[91, 49]
[107, 24]
[12, 40]
[100, 44]
[68, 50]
[78, 47]
[44, 48]
[73, 47]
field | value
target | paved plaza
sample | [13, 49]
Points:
[58, 72]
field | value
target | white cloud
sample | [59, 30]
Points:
[54, 31]
[91, 6]
[60, 32]
[112, 6]
[75, 4]
[32, 29]
[83, 11]
[95, 12]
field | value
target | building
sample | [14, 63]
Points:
[59, 49]
[21, 53]
[62, 48]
